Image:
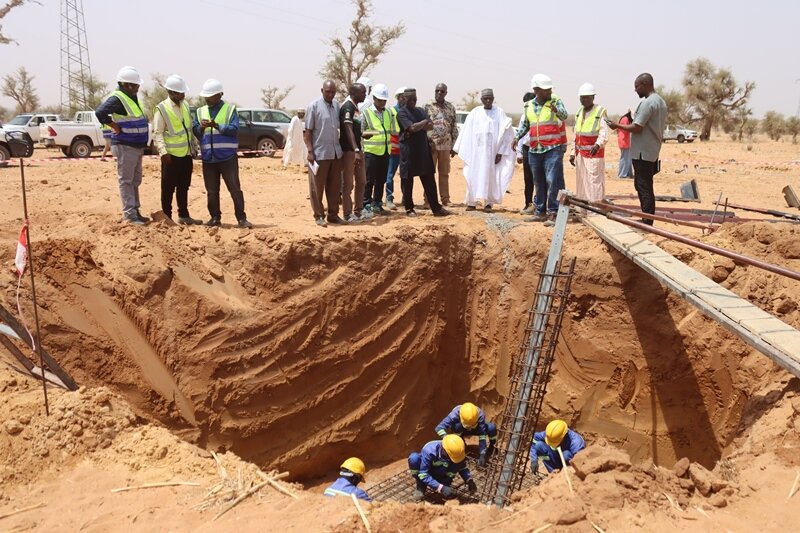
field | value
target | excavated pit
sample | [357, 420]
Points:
[295, 351]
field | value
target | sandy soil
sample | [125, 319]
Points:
[292, 346]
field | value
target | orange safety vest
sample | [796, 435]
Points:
[546, 129]
[587, 129]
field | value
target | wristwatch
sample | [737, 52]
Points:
[358, 149]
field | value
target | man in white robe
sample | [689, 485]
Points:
[295, 151]
[484, 144]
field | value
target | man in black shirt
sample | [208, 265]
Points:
[352, 155]
[415, 155]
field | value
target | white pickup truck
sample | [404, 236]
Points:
[30, 123]
[76, 138]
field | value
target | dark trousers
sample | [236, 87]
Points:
[176, 178]
[377, 168]
[229, 171]
[528, 175]
[643, 172]
[428, 185]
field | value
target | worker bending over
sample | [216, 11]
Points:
[468, 419]
[437, 464]
[546, 443]
[351, 473]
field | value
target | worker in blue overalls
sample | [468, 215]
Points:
[437, 464]
[468, 420]
[351, 473]
[546, 444]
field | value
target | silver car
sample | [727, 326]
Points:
[271, 117]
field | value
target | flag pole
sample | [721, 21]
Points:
[33, 286]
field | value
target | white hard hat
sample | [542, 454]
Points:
[380, 91]
[365, 81]
[129, 75]
[587, 89]
[400, 90]
[211, 87]
[541, 81]
[175, 83]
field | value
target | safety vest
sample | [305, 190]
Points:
[213, 143]
[107, 131]
[546, 129]
[133, 126]
[382, 130]
[177, 129]
[587, 129]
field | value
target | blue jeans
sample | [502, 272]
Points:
[625, 164]
[394, 162]
[548, 176]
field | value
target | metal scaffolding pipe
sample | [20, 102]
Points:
[661, 218]
[739, 258]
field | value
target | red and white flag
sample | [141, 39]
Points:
[21, 260]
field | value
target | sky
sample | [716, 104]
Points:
[469, 45]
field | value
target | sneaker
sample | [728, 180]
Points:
[379, 210]
[321, 222]
[390, 205]
[536, 218]
[366, 215]
[135, 221]
[189, 221]
[336, 219]
[530, 209]
[550, 222]
[214, 222]
[487, 207]
[244, 223]
[411, 213]
[352, 218]
[442, 212]
[142, 217]
[470, 208]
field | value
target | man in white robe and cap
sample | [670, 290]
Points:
[295, 151]
[366, 82]
[484, 144]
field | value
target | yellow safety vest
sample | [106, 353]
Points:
[587, 130]
[546, 128]
[177, 133]
[380, 143]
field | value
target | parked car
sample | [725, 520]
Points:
[461, 117]
[14, 144]
[264, 137]
[29, 122]
[271, 117]
[79, 137]
[679, 133]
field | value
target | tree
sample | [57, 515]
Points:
[273, 97]
[793, 128]
[470, 101]
[751, 127]
[774, 125]
[712, 94]
[95, 92]
[150, 97]
[19, 87]
[676, 105]
[5, 10]
[737, 121]
[350, 58]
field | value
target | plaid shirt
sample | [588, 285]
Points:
[524, 126]
[444, 132]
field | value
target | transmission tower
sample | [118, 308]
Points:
[75, 69]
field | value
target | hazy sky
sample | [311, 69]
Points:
[249, 44]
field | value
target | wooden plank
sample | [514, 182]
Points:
[51, 363]
[774, 338]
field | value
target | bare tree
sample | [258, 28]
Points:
[273, 97]
[712, 94]
[793, 128]
[3, 114]
[351, 57]
[470, 101]
[5, 10]
[774, 125]
[19, 87]
[95, 90]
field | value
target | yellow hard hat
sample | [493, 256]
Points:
[356, 466]
[454, 447]
[468, 415]
[555, 432]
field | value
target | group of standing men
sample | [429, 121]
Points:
[175, 135]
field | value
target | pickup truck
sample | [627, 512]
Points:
[77, 138]
[29, 123]
[679, 133]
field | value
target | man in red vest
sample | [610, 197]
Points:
[588, 152]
